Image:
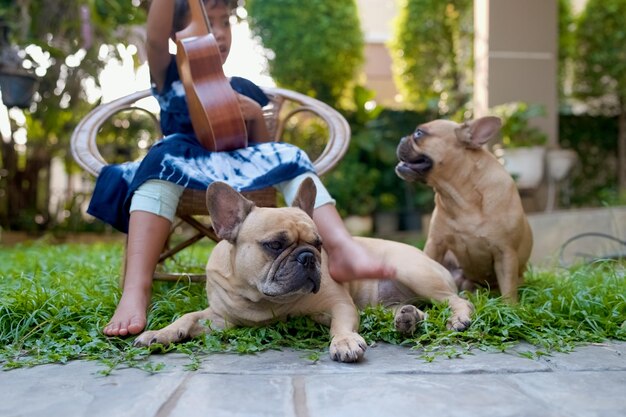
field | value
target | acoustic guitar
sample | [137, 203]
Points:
[213, 105]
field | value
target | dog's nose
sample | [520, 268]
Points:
[307, 259]
[402, 149]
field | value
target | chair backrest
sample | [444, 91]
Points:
[284, 106]
[85, 151]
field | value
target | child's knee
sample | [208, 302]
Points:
[290, 187]
[157, 197]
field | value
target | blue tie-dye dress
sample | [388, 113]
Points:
[179, 158]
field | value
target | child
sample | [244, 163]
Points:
[140, 198]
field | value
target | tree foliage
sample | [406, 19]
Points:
[314, 47]
[432, 53]
[567, 47]
[67, 43]
[600, 65]
[75, 37]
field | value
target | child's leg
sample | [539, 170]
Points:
[152, 210]
[347, 259]
[147, 235]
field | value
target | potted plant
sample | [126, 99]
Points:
[522, 149]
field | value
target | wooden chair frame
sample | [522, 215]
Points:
[85, 151]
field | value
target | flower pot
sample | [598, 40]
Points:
[359, 225]
[526, 165]
[560, 163]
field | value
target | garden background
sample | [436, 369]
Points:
[69, 44]
[56, 298]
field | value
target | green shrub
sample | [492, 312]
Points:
[594, 182]
[432, 54]
[516, 130]
[365, 180]
[314, 47]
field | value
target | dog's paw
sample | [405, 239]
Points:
[145, 339]
[164, 337]
[461, 317]
[407, 318]
[347, 348]
[458, 325]
[459, 322]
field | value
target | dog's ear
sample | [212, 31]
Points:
[305, 197]
[478, 132]
[227, 209]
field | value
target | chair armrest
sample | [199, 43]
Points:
[83, 141]
[338, 127]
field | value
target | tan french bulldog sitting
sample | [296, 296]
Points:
[478, 216]
[270, 265]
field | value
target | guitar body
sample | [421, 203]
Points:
[213, 105]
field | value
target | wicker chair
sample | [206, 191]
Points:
[284, 104]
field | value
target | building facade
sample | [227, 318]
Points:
[515, 49]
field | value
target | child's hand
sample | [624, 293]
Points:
[250, 109]
[253, 116]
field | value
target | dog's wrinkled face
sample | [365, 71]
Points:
[279, 252]
[434, 146]
[421, 152]
[275, 250]
[414, 165]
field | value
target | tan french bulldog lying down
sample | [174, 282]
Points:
[270, 265]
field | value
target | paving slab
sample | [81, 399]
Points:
[391, 381]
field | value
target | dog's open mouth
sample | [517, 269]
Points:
[415, 169]
[420, 164]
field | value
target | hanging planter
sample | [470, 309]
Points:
[17, 87]
[17, 84]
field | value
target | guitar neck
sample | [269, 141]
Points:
[199, 24]
[201, 11]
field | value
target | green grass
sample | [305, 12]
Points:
[54, 301]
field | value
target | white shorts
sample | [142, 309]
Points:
[161, 197]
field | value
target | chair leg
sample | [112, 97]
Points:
[206, 230]
[168, 253]
[181, 276]
[203, 231]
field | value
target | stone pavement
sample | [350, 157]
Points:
[391, 381]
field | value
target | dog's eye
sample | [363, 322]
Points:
[273, 245]
[417, 134]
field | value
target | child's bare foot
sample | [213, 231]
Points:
[353, 261]
[130, 315]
